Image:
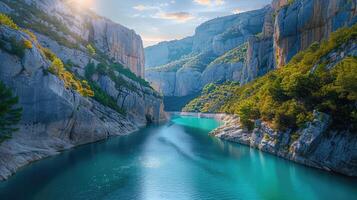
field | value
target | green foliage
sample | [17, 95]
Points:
[231, 34]
[28, 16]
[48, 54]
[126, 72]
[90, 50]
[209, 88]
[28, 44]
[212, 100]
[17, 47]
[70, 81]
[290, 2]
[7, 21]
[103, 98]
[287, 97]
[89, 71]
[99, 95]
[235, 55]
[195, 62]
[10, 115]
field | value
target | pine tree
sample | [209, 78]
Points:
[9, 114]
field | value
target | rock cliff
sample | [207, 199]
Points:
[74, 27]
[284, 27]
[299, 24]
[309, 146]
[184, 67]
[55, 116]
[322, 141]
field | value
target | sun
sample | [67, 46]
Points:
[82, 3]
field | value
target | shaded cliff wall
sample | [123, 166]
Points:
[303, 22]
[184, 67]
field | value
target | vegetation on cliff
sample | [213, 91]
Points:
[10, 115]
[287, 97]
[235, 55]
[18, 47]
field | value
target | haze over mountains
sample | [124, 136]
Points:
[243, 47]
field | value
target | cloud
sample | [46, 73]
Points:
[238, 10]
[210, 2]
[141, 7]
[175, 16]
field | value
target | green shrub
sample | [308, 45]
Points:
[17, 47]
[90, 50]
[10, 115]
[235, 55]
[287, 97]
[70, 81]
[7, 21]
[28, 44]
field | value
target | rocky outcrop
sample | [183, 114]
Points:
[299, 24]
[120, 43]
[260, 54]
[313, 145]
[225, 33]
[260, 59]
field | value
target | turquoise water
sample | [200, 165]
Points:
[174, 161]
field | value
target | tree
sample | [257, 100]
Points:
[10, 115]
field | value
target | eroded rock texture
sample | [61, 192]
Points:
[55, 117]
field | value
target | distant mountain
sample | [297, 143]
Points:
[271, 37]
[183, 67]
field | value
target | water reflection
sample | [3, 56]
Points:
[175, 161]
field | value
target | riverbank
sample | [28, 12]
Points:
[217, 116]
[29, 144]
[313, 146]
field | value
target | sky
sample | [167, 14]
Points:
[162, 20]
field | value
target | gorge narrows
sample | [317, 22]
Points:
[256, 100]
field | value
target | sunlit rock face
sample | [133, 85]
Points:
[299, 24]
[118, 42]
[56, 117]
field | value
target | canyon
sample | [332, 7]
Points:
[244, 46]
[55, 116]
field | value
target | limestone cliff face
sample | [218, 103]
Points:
[184, 67]
[310, 146]
[260, 54]
[225, 33]
[120, 43]
[291, 27]
[72, 29]
[56, 117]
[284, 27]
[81, 26]
[166, 52]
[303, 22]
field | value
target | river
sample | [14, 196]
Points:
[173, 161]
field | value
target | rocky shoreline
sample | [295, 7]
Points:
[314, 146]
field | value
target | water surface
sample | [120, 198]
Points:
[174, 161]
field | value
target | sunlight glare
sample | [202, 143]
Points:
[82, 3]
